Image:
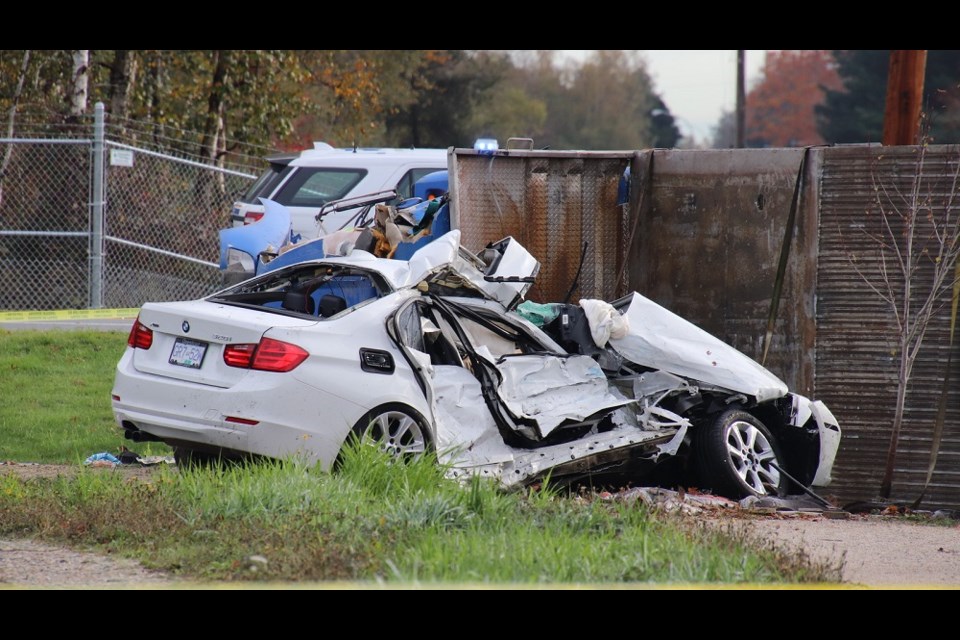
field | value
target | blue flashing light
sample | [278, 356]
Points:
[486, 146]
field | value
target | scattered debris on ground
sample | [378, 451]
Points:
[33, 470]
[695, 503]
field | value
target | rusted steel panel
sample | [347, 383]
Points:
[553, 202]
[702, 235]
[711, 230]
[857, 356]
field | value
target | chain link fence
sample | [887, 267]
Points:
[162, 223]
[137, 226]
[44, 224]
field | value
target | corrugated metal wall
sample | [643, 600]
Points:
[707, 229]
[857, 356]
[552, 202]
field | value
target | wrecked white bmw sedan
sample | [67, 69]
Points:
[437, 353]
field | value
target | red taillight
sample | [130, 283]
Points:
[252, 216]
[141, 337]
[273, 355]
[239, 355]
[269, 355]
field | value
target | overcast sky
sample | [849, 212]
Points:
[697, 84]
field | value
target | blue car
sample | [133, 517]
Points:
[411, 224]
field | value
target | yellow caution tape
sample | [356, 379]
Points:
[68, 314]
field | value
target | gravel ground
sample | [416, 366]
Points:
[25, 563]
[877, 551]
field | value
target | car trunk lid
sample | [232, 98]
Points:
[189, 339]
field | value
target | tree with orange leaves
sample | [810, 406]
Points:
[780, 108]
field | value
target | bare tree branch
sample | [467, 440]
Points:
[12, 118]
[919, 234]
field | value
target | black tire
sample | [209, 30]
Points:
[187, 458]
[395, 428]
[184, 457]
[734, 453]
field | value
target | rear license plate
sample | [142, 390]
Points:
[188, 353]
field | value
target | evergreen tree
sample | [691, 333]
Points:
[855, 112]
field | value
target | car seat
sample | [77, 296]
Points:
[331, 305]
[296, 301]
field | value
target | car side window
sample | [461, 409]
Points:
[310, 187]
[265, 184]
[405, 186]
[408, 323]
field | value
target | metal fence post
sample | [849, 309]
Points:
[96, 212]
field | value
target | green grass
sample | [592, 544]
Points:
[377, 520]
[372, 521]
[56, 389]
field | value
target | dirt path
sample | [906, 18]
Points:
[876, 554]
[32, 564]
[877, 551]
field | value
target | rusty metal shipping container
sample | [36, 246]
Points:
[703, 234]
[554, 202]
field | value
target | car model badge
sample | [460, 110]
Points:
[185, 326]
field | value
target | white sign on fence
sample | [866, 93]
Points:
[121, 158]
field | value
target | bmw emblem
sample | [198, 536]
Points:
[185, 326]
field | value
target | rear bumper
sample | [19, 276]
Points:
[287, 417]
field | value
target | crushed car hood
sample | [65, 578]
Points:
[663, 340]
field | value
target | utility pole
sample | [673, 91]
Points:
[901, 120]
[741, 98]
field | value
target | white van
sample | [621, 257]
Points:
[303, 183]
